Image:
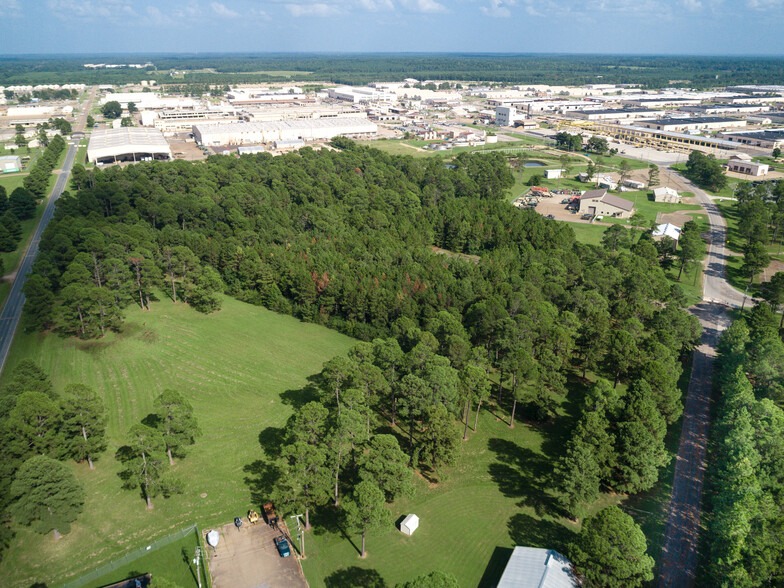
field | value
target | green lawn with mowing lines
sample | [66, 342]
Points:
[240, 368]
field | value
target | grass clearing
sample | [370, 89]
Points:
[171, 562]
[493, 498]
[241, 368]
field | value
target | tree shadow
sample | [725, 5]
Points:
[355, 577]
[495, 568]
[522, 473]
[261, 479]
[301, 396]
[271, 441]
[186, 558]
[329, 519]
[531, 532]
[151, 420]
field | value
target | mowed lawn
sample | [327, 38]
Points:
[233, 366]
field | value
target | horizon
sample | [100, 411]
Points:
[569, 27]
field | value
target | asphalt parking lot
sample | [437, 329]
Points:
[248, 558]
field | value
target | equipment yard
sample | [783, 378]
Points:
[247, 558]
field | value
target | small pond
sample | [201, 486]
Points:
[533, 164]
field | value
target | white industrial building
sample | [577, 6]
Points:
[304, 112]
[182, 120]
[282, 130]
[364, 94]
[692, 124]
[616, 114]
[127, 144]
[767, 139]
[261, 96]
[10, 164]
[507, 116]
[30, 111]
[148, 100]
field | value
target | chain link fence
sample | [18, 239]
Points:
[132, 556]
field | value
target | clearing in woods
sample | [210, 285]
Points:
[235, 367]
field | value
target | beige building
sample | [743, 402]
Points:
[600, 203]
[742, 164]
[665, 194]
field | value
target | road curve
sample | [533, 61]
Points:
[679, 561]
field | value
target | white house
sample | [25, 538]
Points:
[533, 567]
[409, 524]
[600, 203]
[552, 174]
[665, 194]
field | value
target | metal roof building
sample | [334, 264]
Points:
[127, 144]
[533, 567]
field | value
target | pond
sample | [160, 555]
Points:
[533, 164]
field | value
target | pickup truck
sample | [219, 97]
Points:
[282, 545]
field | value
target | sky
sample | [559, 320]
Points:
[704, 27]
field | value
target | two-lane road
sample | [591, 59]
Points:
[12, 311]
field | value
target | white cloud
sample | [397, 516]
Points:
[497, 9]
[765, 5]
[111, 10]
[692, 5]
[376, 5]
[318, 9]
[223, 11]
[425, 6]
[10, 8]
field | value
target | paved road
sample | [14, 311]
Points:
[12, 311]
[679, 550]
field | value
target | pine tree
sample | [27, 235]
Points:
[577, 478]
[143, 459]
[438, 441]
[84, 422]
[611, 551]
[175, 422]
[365, 509]
[386, 465]
[46, 495]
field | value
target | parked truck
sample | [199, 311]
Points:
[269, 515]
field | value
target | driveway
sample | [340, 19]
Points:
[248, 558]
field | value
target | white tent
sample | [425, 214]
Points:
[409, 524]
[212, 538]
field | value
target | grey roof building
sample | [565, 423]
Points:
[533, 567]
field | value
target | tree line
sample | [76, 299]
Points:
[37, 181]
[40, 429]
[746, 473]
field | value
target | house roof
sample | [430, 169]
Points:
[668, 230]
[618, 202]
[664, 190]
[532, 567]
[592, 194]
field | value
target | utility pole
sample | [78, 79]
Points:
[301, 533]
[196, 558]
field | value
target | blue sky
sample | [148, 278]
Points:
[516, 26]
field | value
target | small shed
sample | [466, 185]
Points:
[552, 174]
[409, 524]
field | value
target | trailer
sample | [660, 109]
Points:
[270, 516]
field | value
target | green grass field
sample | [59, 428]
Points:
[172, 562]
[241, 369]
[495, 497]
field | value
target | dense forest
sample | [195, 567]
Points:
[454, 294]
[345, 239]
[647, 71]
[746, 476]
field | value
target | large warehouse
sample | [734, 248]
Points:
[282, 130]
[767, 139]
[127, 144]
[692, 124]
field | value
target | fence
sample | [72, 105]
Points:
[132, 556]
